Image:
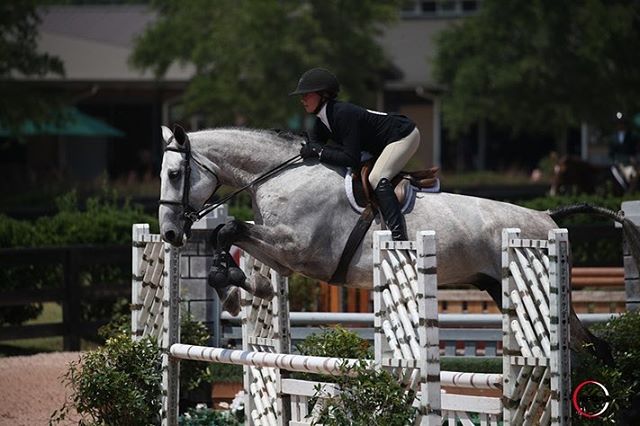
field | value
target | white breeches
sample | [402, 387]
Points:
[394, 157]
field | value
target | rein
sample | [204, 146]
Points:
[192, 215]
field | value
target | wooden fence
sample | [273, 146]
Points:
[71, 264]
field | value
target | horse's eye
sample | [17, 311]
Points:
[174, 174]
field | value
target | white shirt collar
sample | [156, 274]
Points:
[322, 115]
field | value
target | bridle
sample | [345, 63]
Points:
[191, 214]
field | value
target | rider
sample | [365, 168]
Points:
[390, 139]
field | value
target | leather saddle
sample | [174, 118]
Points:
[364, 193]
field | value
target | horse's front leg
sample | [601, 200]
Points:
[267, 244]
[264, 243]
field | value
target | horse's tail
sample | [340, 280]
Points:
[630, 230]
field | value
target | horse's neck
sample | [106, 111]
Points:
[239, 156]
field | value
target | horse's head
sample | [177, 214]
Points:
[185, 185]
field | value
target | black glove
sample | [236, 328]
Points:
[310, 150]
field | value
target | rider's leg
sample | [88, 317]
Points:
[389, 164]
[390, 209]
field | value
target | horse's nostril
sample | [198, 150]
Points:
[170, 236]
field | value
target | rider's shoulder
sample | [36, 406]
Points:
[346, 108]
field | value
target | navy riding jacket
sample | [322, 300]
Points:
[355, 129]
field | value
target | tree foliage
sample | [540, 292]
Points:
[541, 64]
[20, 60]
[249, 54]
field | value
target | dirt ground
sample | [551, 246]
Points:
[31, 388]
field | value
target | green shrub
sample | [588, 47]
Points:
[192, 373]
[623, 379]
[131, 365]
[117, 384]
[208, 417]
[335, 342]
[192, 332]
[471, 364]
[224, 373]
[372, 397]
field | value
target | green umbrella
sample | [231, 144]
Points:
[73, 123]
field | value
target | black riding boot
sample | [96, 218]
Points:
[390, 209]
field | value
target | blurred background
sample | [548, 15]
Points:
[500, 92]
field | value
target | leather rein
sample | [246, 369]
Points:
[191, 214]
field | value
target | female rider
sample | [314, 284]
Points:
[390, 139]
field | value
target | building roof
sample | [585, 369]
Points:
[95, 42]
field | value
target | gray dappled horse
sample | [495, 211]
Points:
[303, 218]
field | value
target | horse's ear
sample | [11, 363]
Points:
[166, 134]
[180, 134]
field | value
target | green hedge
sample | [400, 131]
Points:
[104, 221]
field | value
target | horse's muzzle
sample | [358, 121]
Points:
[173, 238]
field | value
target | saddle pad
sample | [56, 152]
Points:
[412, 190]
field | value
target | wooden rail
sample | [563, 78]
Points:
[595, 290]
[76, 287]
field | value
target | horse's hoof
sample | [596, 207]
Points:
[260, 287]
[231, 301]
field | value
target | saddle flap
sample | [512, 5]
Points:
[421, 179]
[401, 190]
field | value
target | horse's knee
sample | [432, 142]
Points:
[229, 234]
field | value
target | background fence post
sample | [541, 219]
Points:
[631, 211]
[71, 304]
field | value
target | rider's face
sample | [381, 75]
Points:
[310, 101]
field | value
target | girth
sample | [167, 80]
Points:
[364, 195]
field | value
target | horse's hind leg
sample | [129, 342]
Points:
[581, 337]
[490, 285]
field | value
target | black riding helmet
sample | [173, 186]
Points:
[317, 80]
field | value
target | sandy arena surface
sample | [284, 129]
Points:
[31, 388]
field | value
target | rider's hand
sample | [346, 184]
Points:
[310, 150]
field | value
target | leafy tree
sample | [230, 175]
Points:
[20, 60]
[541, 64]
[248, 55]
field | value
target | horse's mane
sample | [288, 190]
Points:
[277, 142]
[274, 135]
